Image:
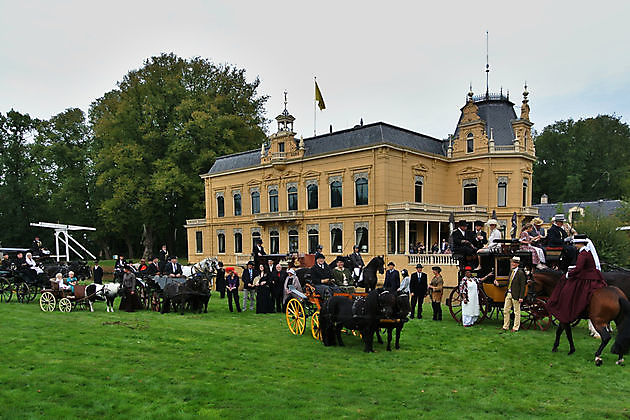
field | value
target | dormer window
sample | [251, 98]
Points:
[470, 143]
[281, 147]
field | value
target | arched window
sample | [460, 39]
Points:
[311, 192]
[274, 242]
[362, 238]
[525, 185]
[238, 243]
[221, 240]
[255, 202]
[361, 189]
[293, 240]
[292, 198]
[237, 204]
[313, 240]
[336, 240]
[255, 238]
[502, 192]
[470, 191]
[418, 185]
[273, 200]
[335, 194]
[470, 143]
[220, 206]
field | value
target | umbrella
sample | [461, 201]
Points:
[513, 230]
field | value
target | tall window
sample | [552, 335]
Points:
[336, 240]
[221, 240]
[281, 146]
[362, 238]
[273, 200]
[335, 194]
[470, 191]
[525, 184]
[199, 242]
[418, 185]
[361, 190]
[313, 240]
[292, 198]
[255, 238]
[502, 192]
[391, 237]
[238, 242]
[274, 242]
[237, 204]
[311, 192]
[293, 240]
[255, 202]
[470, 143]
[220, 206]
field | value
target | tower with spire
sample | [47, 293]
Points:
[282, 145]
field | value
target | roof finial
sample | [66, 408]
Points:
[525, 93]
[470, 93]
[285, 100]
[487, 68]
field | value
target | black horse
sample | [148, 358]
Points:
[363, 315]
[376, 264]
[399, 318]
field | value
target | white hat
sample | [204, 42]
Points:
[516, 259]
[492, 222]
[558, 218]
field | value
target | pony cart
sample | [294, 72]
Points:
[496, 266]
[65, 300]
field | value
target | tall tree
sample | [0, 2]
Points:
[583, 160]
[162, 127]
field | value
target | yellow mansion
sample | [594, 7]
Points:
[378, 186]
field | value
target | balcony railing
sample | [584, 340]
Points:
[195, 222]
[529, 211]
[508, 148]
[278, 155]
[279, 216]
[436, 208]
[432, 259]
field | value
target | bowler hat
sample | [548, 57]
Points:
[319, 255]
[391, 263]
[418, 265]
[478, 223]
[462, 223]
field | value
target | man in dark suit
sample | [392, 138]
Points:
[97, 273]
[36, 247]
[418, 289]
[173, 269]
[220, 281]
[154, 267]
[320, 272]
[556, 236]
[514, 295]
[249, 291]
[463, 240]
[479, 235]
[258, 253]
[277, 278]
[392, 278]
[163, 255]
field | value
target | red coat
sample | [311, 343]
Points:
[572, 295]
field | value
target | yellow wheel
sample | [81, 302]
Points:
[65, 305]
[296, 317]
[47, 302]
[317, 334]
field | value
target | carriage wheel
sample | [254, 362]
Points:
[65, 305]
[455, 305]
[34, 292]
[317, 334]
[6, 290]
[22, 292]
[47, 302]
[296, 317]
[537, 316]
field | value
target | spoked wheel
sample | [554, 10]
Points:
[455, 305]
[296, 317]
[65, 305]
[47, 302]
[317, 334]
[536, 316]
[22, 292]
[34, 289]
[486, 307]
[6, 290]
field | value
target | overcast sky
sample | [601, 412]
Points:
[405, 63]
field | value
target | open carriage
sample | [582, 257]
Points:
[496, 265]
[65, 300]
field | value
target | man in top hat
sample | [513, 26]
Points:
[463, 240]
[320, 272]
[556, 237]
[258, 253]
[514, 295]
[36, 246]
[418, 289]
[173, 268]
[249, 291]
[392, 278]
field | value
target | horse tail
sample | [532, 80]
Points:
[622, 342]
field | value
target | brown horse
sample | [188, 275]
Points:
[606, 304]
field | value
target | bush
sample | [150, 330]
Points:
[612, 246]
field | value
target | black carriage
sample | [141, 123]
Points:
[495, 265]
[19, 282]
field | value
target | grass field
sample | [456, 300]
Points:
[229, 365]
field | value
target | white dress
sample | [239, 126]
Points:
[470, 310]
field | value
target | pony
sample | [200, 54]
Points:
[363, 315]
[402, 308]
[106, 292]
[369, 273]
[606, 304]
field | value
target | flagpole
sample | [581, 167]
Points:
[315, 112]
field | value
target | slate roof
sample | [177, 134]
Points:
[353, 138]
[498, 115]
[602, 207]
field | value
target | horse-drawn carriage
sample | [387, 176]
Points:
[22, 283]
[495, 265]
[64, 299]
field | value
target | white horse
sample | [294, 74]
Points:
[106, 292]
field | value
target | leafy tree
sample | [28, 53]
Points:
[583, 160]
[164, 125]
[612, 246]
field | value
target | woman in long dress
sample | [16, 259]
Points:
[264, 304]
[526, 239]
[470, 298]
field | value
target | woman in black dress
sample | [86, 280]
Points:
[264, 304]
[130, 300]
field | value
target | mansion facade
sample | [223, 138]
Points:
[378, 186]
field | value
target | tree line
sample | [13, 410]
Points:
[130, 167]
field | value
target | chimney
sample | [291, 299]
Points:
[544, 199]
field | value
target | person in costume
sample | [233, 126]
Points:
[469, 292]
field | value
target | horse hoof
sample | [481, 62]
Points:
[619, 362]
[554, 350]
[571, 352]
[389, 349]
[397, 347]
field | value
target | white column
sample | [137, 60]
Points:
[406, 237]
[396, 237]
[426, 237]
[439, 239]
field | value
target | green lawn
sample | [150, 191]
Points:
[229, 365]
